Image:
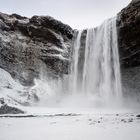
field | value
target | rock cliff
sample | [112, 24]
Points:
[128, 34]
[28, 44]
[128, 24]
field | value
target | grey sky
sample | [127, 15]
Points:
[77, 13]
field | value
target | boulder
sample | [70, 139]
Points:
[6, 109]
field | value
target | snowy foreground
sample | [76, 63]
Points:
[57, 124]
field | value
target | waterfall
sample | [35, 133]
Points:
[77, 44]
[95, 67]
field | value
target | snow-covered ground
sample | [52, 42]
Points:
[60, 124]
[75, 123]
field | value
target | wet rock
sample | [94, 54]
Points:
[123, 120]
[5, 109]
[2, 101]
[138, 116]
[89, 119]
[130, 120]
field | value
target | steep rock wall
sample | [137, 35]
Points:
[28, 44]
[128, 24]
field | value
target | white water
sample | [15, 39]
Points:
[75, 61]
[96, 68]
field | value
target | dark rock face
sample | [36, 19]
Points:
[128, 24]
[129, 34]
[28, 44]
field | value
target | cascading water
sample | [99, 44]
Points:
[96, 68]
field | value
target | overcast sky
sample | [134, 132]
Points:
[77, 13]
